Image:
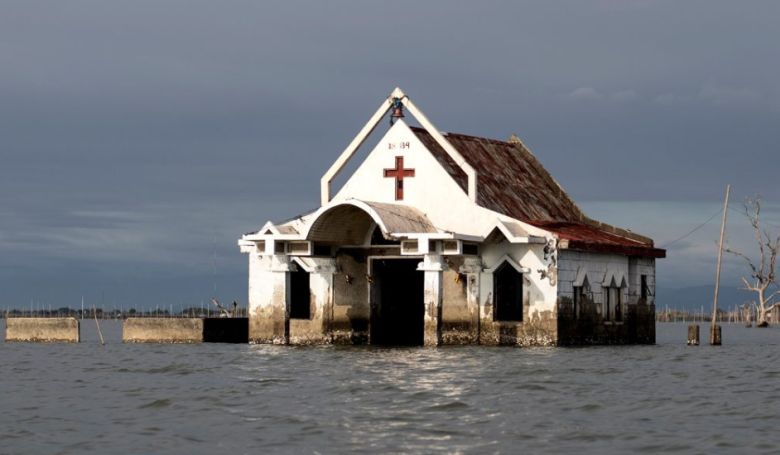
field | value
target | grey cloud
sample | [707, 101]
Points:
[139, 138]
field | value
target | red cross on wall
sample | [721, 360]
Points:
[399, 173]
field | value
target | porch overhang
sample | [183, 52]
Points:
[351, 222]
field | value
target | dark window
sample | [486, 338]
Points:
[470, 249]
[300, 294]
[644, 288]
[578, 294]
[612, 304]
[576, 300]
[321, 250]
[508, 292]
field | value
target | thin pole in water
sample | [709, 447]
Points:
[715, 333]
[94, 313]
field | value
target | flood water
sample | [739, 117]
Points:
[236, 399]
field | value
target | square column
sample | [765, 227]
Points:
[432, 266]
[315, 330]
[269, 298]
[472, 268]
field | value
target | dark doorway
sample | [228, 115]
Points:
[300, 294]
[398, 305]
[508, 292]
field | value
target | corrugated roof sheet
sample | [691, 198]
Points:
[349, 224]
[402, 219]
[510, 180]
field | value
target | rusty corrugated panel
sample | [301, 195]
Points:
[513, 182]
[510, 179]
[444, 159]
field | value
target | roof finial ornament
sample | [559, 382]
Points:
[513, 139]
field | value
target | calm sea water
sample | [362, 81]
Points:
[235, 399]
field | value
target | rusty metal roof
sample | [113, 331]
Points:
[511, 181]
[581, 236]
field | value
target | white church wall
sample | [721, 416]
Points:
[539, 297]
[268, 294]
[432, 190]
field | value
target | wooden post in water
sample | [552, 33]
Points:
[693, 335]
[715, 330]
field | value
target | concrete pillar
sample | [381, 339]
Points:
[432, 266]
[322, 288]
[269, 298]
[472, 267]
[488, 330]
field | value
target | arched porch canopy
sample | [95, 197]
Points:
[351, 222]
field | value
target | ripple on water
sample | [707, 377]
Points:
[160, 403]
[447, 407]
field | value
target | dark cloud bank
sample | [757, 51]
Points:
[140, 139]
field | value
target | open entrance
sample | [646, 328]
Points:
[397, 307]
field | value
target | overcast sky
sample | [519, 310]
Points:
[140, 139]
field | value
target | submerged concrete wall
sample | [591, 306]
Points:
[162, 330]
[45, 330]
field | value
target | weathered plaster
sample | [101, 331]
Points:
[315, 330]
[538, 327]
[433, 268]
[350, 309]
[460, 312]
[269, 298]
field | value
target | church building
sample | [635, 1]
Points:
[441, 238]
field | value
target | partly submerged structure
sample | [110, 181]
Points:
[441, 238]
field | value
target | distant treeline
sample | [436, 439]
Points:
[100, 313]
[739, 315]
